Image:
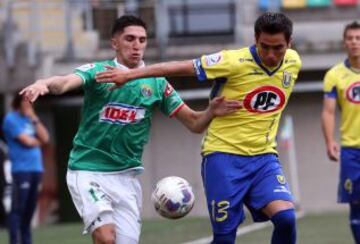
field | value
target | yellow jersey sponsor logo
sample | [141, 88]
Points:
[353, 92]
[264, 99]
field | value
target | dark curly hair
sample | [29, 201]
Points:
[273, 23]
[124, 21]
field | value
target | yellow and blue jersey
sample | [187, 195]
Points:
[343, 84]
[240, 75]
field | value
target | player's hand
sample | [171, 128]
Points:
[333, 151]
[219, 106]
[33, 91]
[112, 75]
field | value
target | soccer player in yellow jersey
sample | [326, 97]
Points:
[240, 163]
[342, 88]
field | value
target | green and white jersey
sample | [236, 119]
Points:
[115, 124]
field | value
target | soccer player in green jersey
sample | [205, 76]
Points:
[342, 88]
[114, 128]
[240, 164]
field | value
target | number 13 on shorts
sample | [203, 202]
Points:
[219, 210]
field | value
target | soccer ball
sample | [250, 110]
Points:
[173, 197]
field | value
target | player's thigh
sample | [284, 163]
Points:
[90, 195]
[269, 188]
[104, 199]
[225, 187]
[127, 212]
[349, 184]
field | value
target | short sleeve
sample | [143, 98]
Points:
[329, 86]
[213, 66]
[86, 72]
[171, 102]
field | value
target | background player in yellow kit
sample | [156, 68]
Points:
[240, 164]
[342, 87]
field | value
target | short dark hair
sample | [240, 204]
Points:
[124, 21]
[16, 102]
[273, 23]
[351, 26]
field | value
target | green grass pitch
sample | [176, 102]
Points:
[326, 228]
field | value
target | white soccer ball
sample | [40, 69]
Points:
[173, 197]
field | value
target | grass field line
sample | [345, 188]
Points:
[243, 230]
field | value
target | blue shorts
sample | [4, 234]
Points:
[230, 181]
[349, 185]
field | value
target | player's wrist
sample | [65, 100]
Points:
[330, 142]
[35, 120]
[130, 75]
[210, 112]
[43, 82]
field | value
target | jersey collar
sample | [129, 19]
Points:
[121, 66]
[348, 65]
[257, 59]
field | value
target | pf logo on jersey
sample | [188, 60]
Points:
[264, 99]
[353, 92]
[119, 113]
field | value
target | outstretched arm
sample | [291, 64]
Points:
[54, 85]
[120, 77]
[197, 122]
[328, 127]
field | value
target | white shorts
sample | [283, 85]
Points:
[97, 194]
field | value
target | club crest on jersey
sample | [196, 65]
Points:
[119, 113]
[146, 91]
[264, 99]
[213, 59]
[286, 79]
[353, 92]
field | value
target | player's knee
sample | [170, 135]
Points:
[224, 238]
[104, 235]
[284, 220]
[106, 240]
